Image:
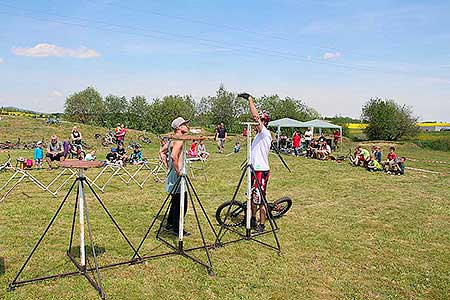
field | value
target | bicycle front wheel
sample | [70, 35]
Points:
[231, 214]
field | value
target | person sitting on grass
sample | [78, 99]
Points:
[390, 161]
[362, 156]
[323, 151]
[237, 147]
[38, 155]
[55, 151]
[399, 167]
[136, 156]
[90, 156]
[122, 154]
[311, 149]
[192, 152]
[376, 151]
[112, 157]
[202, 150]
[373, 164]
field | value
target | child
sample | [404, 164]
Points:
[399, 167]
[136, 156]
[90, 156]
[122, 154]
[377, 153]
[112, 157]
[237, 147]
[38, 155]
[202, 150]
[192, 152]
[373, 164]
[391, 159]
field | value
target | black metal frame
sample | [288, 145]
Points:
[180, 249]
[81, 270]
[248, 234]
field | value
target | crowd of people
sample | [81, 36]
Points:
[373, 161]
[57, 151]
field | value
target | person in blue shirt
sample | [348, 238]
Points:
[38, 155]
[136, 156]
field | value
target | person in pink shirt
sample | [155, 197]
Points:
[296, 140]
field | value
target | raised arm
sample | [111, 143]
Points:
[253, 110]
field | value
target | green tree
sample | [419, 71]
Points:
[85, 107]
[137, 113]
[162, 111]
[287, 108]
[388, 120]
[116, 109]
[223, 107]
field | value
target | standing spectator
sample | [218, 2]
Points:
[221, 135]
[337, 137]
[244, 132]
[296, 140]
[55, 151]
[38, 155]
[308, 136]
[118, 134]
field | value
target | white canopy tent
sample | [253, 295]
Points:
[286, 122]
[323, 124]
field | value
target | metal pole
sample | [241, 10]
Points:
[81, 215]
[182, 197]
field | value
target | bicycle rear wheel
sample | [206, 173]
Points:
[233, 212]
[281, 206]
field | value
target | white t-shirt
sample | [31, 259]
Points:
[308, 135]
[260, 150]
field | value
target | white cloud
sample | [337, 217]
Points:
[56, 94]
[329, 55]
[42, 50]
[1, 60]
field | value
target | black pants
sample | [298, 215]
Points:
[174, 211]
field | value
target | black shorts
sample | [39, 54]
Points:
[56, 157]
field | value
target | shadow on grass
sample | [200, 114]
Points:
[75, 251]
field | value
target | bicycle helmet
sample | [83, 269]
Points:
[264, 116]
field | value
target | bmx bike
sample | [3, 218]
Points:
[237, 212]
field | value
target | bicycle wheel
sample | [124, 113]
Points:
[281, 206]
[235, 211]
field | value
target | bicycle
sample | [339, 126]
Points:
[237, 211]
[144, 138]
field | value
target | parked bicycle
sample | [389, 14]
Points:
[237, 211]
[144, 138]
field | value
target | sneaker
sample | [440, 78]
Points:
[253, 222]
[185, 233]
[260, 228]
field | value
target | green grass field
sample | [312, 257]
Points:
[350, 234]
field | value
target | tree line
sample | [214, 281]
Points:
[386, 119]
[89, 107]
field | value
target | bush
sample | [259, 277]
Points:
[442, 144]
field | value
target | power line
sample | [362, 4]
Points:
[204, 42]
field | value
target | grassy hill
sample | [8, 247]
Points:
[350, 234]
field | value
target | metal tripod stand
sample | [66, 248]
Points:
[186, 191]
[248, 235]
[84, 219]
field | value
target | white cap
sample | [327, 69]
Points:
[178, 122]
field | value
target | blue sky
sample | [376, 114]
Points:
[334, 55]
